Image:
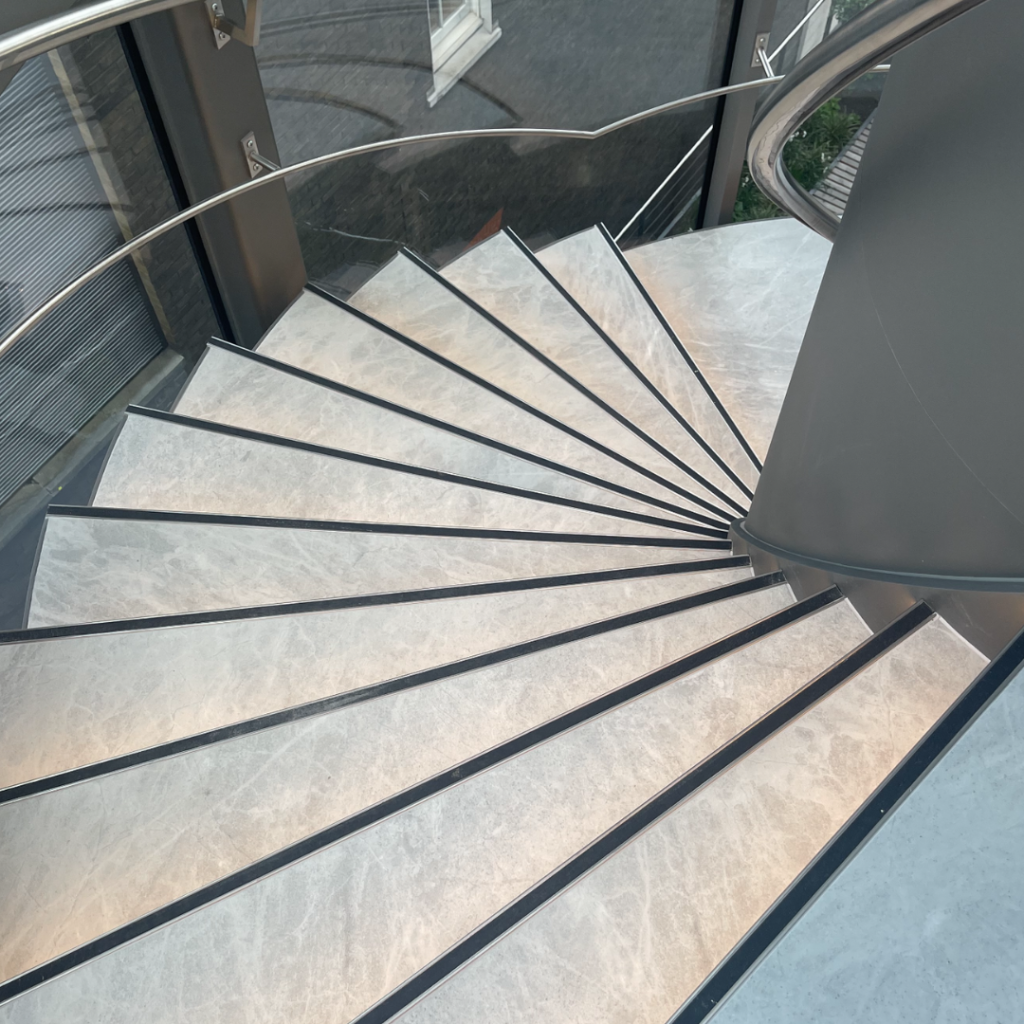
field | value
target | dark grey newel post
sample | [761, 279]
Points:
[900, 447]
[730, 142]
[209, 99]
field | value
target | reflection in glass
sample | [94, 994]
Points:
[339, 74]
[79, 175]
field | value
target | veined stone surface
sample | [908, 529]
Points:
[739, 298]
[503, 279]
[588, 267]
[405, 296]
[325, 339]
[160, 464]
[93, 569]
[85, 690]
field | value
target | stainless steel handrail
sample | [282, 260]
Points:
[24, 43]
[144, 239]
[874, 34]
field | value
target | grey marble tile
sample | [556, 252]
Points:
[499, 276]
[924, 924]
[159, 464]
[633, 939]
[91, 570]
[77, 862]
[739, 298]
[407, 298]
[229, 388]
[587, 266]
[327, 340]
[326, 937]
[70, 701]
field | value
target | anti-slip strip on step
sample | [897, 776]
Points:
[633, 824]
[375, 690]
[569, 379]
[872, 815]
[323, 293]
[637, 372]
[344, 526]
[681, 348]
[264, 611]
[431, 474]
[416, 793]
[344, 389]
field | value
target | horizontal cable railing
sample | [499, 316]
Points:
[680, 191]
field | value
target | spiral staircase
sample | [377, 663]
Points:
[405, 670]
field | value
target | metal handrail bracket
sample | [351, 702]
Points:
[851, 51]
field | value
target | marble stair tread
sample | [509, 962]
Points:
[334, 342]
[108, 693]
[739, 298]
[503, 277]
[233, 387]
[323, 938]
[121, 845]
[161, 462]
[92, 568]
[634, 938]
[410, 298]
[590, 267]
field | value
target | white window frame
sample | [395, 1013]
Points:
[456, 46]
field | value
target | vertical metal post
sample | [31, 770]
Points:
[209, 99]
[736, 115]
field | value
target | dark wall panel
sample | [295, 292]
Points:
[898, 447]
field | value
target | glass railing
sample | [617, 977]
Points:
[82, 172]
[338, 74]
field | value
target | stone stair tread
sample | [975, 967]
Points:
[739, 298]
[164, 462]
[122, 845]
[233, 387]
[196, 676]
[504, 277]
[333, 341]
[634, 938]
[406, 295]
[590, 267]
[93, 568]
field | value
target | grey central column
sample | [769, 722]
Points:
[899, 446]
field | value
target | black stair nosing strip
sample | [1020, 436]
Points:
[519, 453]
[414, 794]
[641, 819]
[681, 348]
[351, 526]
[327, 604]
[551, 421]
[636, 371]
[375, 691]
[844, 846]
[610, 410]
[277, 441]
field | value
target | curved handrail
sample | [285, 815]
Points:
[876, 33]
[24, 43]
[144, 239]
